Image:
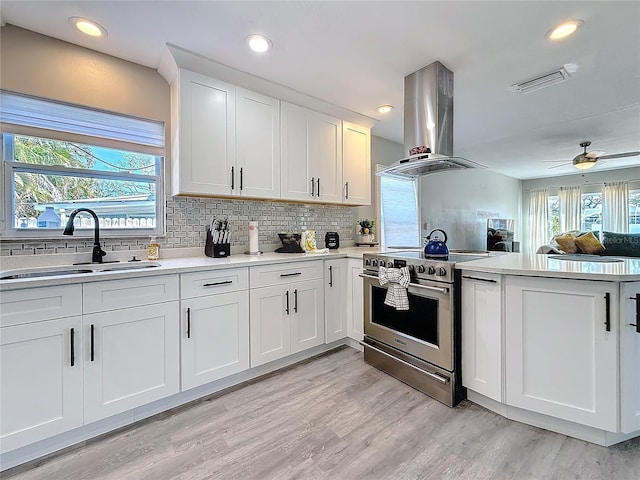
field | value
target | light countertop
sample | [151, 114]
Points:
[169, 266]
[537, 265]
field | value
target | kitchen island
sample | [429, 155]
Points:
[554, 342]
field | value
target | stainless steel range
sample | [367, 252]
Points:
[419, 346]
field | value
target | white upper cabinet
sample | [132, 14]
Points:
[257, 145]
[204, 138]
[311, 155]
[225, 139]
[356, 164]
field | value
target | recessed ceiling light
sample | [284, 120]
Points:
[564, 29]
[385, 108]
[259, 43]
[88, 27]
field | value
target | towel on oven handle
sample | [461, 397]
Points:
[398, 280]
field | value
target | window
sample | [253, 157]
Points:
[59, 157]
[553, 215]
[399, 216]
[591, 210]
[634, 211]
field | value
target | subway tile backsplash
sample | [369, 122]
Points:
[187, 219]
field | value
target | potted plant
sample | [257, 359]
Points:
[366, 230]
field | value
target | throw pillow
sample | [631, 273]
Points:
[567, 243]
[621, 244]
[588, 243]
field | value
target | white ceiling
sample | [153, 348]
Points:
[356, 55]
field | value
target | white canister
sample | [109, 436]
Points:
[253, 237]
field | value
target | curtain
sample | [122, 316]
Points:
[615, 207]
[538, 225]
[570, 203]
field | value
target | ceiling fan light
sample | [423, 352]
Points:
[585, 164]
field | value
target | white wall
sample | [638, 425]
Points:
[460, 202]
[383, 152]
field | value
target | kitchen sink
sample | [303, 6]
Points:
[63, 271]
[128, 266]
[17, 274]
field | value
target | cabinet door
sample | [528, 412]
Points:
[560, 358]
[206, 136]
[335, 299]
[257, 145]
[355, 301]
[630, 358]
[482, 334]
[135, 358]
[270, 323]
[295, 144]
[215, 337]
[40, 381]
[307, 321]
[356, 164]
[325, 157]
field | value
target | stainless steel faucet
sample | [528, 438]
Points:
[98, 253]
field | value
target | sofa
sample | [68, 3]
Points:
[610, 244]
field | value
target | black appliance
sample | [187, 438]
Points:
[332, 240]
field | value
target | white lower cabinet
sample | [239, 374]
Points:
[561, 357]
[40, 380]
[335, 299]
[630, 357]
[288, 316]
[214, 337]
[132, 357]
[355, 300]
[482, 333]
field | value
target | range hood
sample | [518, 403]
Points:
[428, 125]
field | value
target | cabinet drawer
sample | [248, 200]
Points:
[269, 275]
[198, 284]
[36, 304]
[111, 295]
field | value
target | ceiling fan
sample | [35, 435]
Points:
[586, 160]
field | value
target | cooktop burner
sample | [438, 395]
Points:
[421, 266]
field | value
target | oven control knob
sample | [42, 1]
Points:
[420, 268]
[390, 263]
[367, 261]
[374, 263]
[441, 272]
[432, 270]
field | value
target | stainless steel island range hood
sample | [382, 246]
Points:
[428, 125]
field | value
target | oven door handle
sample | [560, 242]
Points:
[439, 378]
[414, 285]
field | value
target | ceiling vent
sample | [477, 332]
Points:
[542, 81]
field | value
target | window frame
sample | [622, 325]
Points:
[10, 167]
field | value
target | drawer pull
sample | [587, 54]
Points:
[226, 282]
[73, 347]
[330, 275]
[290, 274]
[295, 300]
[480, 279]
[188, 322]
[92, 342]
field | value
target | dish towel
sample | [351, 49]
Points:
[398, 280]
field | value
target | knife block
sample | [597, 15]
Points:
[216, 250]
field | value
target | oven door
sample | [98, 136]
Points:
[424, 331]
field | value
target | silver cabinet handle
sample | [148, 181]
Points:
[313, 186]
[346, 190]
[415, 285]
[435, 376]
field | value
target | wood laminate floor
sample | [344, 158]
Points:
[336, 417]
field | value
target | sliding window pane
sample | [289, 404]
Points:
[591, 212]
[634, 211]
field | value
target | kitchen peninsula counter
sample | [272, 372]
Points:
[615, 269]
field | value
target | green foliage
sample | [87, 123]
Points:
[367, 224]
